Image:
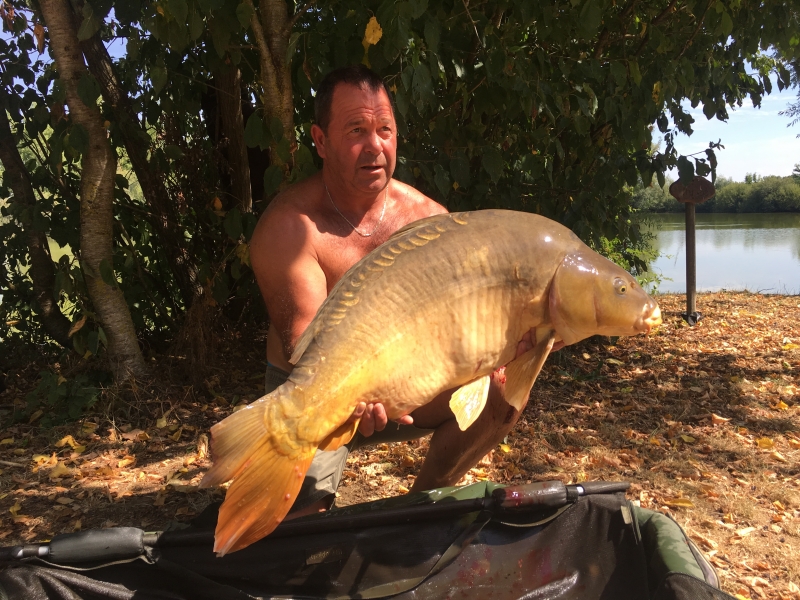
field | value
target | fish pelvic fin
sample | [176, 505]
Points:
[340, 437]
[467, 402]
[260, 497]
[521, 373]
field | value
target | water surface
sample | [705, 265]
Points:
[755, 252]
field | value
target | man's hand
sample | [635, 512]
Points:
[529, 340]
[373, 418]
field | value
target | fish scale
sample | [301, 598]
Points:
[439, 306]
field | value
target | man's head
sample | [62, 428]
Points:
[356, 132]
[358, 76]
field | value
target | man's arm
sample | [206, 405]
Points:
[288, 274]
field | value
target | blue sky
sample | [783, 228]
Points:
[756, 140]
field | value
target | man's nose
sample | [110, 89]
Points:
[372, 144]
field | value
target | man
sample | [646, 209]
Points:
[313, 232]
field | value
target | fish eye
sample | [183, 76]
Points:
[619, 285]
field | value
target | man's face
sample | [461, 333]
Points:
[360, 144]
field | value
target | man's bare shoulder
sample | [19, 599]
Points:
[415, 202]
[290, 215]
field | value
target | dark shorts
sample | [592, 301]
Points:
[325, 473]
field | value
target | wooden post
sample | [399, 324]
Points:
[691, 260]
[696, 192]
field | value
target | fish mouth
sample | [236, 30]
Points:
[654, 320]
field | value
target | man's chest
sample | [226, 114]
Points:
[336, 258]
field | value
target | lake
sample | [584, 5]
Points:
[755, 252]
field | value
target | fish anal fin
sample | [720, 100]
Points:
[340, 437]
[467, 402]
[521, 373]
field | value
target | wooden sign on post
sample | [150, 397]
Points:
[698, 191]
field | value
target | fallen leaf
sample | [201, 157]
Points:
[35, 416]
[688, 439]
[64, 500]
[161, 423]
[778, 456]
[15, 509]
[177, 435]
[679, 503]
[60, 470]
[6, 441]
[744, 532]
[614, 361]
[126, 461]
[505, 448]
[202, 446]
[717, 420]
[781, 405]
[137, 435]
[765, 443]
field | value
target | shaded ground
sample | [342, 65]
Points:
[704, 421]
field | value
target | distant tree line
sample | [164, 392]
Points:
[755, 195]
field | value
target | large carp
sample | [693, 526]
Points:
[441, 305]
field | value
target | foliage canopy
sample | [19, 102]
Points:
[549, 107]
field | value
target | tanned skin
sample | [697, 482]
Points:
[302, 246]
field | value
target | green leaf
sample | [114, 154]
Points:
[442, 180]
[590, 18]
[107, 273]
[273, 177]
[492, 161]
[158, 77]
[221, 290]
[290, 49]
[92, 341]
[276, 129]
[220, 36]
[178, 9]
[418, 8]
[173, 152]
[233, 224]
[432, 35]
[685, 170]
[89, 26]
[459, 169]
[78, 138]
[254, 131]
[726, 23]
[195, 25]
[636, 75]
[244, 12]
[88, 89]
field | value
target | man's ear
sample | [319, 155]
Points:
[319, 140]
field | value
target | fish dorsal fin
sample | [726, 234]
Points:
[467, 402]
[521, 373]
[340, 437]
[345, 293]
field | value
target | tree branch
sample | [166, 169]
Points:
[296, 16]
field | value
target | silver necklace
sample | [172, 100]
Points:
[380, 219]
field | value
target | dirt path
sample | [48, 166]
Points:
[703, 421]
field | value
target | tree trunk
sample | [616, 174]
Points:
[97, 195]
[136, 140]
[42, 271]
[228, 82]
[272, 28]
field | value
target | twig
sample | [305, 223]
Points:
[8, 463]
[299, 14]
[474, 27]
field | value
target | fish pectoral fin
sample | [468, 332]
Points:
[340, 437]
[521, 373]
[467, 402]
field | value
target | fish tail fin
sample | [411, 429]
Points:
[267, 476]
[259, 498]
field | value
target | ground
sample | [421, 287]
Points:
[703, 421]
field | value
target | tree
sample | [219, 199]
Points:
[97, 194]
[548, 107]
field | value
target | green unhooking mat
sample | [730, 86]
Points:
[541, 541]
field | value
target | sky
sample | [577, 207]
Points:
[756, 140]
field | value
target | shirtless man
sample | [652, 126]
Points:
[313, 232]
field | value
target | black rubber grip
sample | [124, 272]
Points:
[604, 487]
[544, 494]
[97, 544]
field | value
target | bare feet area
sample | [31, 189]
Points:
[704, 422]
